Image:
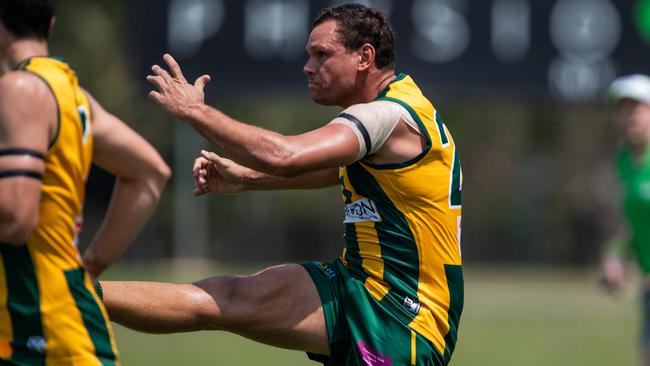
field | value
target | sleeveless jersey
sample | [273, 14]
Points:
[402, 225]
[49, 311]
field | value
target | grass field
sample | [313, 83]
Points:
[512, 316]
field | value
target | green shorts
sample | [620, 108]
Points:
[361, 330]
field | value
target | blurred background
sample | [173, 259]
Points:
[519, 84]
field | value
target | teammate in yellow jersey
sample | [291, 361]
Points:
[50, 132]
[395, 295]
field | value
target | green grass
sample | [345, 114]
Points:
[545, 317]
[512, 316]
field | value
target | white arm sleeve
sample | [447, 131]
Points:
[373, 123]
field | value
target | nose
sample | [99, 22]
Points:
[310, 67]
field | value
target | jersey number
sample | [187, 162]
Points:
[83, 116]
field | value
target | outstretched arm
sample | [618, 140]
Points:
[141, 175]
[213, 173]
[330, 146]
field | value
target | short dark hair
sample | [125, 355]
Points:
[27, 18]
[358, 25]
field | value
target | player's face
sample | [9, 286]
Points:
[633, 118]
[331, 69]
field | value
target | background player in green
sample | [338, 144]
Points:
[631, 95]
[396, 294]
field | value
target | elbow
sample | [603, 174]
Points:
[157, 179]
[93, 264]
[157, 176]
[16, 230]
[279, 157]
[149, 180]
[162, 174]
[286, 167]
[286, 172]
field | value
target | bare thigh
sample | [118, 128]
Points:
[279, 306]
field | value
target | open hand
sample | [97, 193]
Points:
[212, 173]
[173, 93]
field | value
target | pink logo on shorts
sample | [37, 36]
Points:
[371, 357]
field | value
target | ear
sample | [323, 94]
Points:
[52, 23]
[366, 57]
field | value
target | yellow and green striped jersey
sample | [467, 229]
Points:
[402, 225]
[49, 311]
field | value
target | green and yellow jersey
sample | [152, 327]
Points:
[49, 311]
[403, 225]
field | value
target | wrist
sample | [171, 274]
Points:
[194, 113]
[252, 180]
[247, 181]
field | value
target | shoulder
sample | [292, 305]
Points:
[373, 122]
[24, 88]
[374, 112]
[21, 82]
[376, 105]
[25, 99]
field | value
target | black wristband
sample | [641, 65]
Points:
[19, 151]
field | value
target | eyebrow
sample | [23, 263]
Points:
[319, 46]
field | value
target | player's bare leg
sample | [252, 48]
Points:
[278, 306]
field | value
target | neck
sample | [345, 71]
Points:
[20, 50]
[371, 85]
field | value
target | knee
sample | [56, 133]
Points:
[237, 301]
[228, 300]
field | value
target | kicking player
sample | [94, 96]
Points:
[50, 132]
[631, 95]
[395, 295]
